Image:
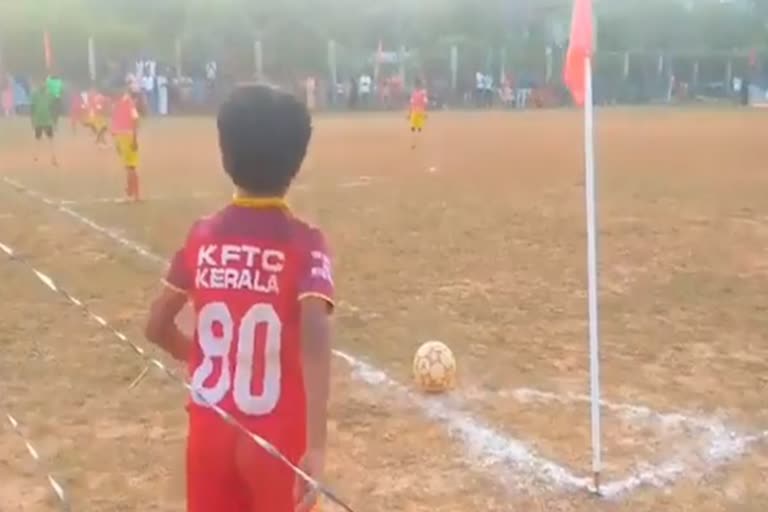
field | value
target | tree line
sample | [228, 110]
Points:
[295, 32]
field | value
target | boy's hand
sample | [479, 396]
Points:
[313, 463]
[135, 143]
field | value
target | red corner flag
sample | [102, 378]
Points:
[579, 49]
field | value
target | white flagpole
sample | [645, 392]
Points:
[91, 59]
[591, 210]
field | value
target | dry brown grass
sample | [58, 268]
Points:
[486, 253]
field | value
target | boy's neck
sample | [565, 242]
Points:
[241, 193]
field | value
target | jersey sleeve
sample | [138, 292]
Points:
[180, 274]
[315, 273]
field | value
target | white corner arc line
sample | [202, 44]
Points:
[482, 441]
[720, 444]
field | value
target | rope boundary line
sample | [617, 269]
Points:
[141, 352]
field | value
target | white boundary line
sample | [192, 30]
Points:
[720, 444]
[362, 181]
[125, 200]
[225, 416]
[56, 487]
[482, 441]
[354, 184]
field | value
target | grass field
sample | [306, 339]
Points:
[476, 238]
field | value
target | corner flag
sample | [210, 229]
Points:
[578, 78]
[579, 49]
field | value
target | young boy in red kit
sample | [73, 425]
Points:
[259, 280]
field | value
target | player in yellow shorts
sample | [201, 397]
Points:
[418, 110]
[128, 150]
[125, 126]
[97, 116]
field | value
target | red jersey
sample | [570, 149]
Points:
[125, 115]
[245, 270]
[76, 105]
[419, 100]
[97, 103]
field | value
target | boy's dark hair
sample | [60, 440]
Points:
[263, 137]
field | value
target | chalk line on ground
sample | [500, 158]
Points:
[718, 443]
[56, 487]
[481, 441]
[354, 184]
[125, 200]
[225, 416]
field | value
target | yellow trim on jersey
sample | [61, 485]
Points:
[317, 295]
[260, 202]
[173, 287]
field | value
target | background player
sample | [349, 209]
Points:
[418, 110]
[43, 115]
[125, 128]
[78, 110]
[97, 116]
[56, 88]
[260, 282]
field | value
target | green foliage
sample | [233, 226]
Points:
[294, 33]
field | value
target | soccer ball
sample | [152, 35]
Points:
[434, 367]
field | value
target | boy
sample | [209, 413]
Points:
[125, 126]
[260, 282]
[43, 119]
[97, 117]
[418, 111]
[77, 110]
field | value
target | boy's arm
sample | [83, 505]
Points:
[316, 305]
[161, 326]
[316, 365]
[316, 301]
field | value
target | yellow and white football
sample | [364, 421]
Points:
[434, 367]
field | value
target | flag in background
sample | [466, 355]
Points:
[580, 48]
[47, 51]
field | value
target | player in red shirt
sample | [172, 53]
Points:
[259, 280]
[77, 110]
[418, 110]
[125, 128]
[98, 106]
